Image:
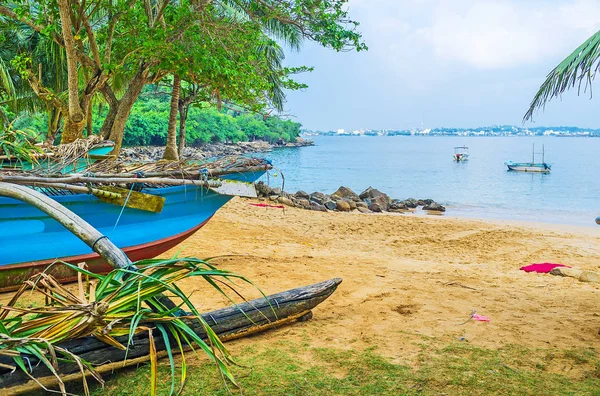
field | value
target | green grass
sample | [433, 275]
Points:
[297, 369]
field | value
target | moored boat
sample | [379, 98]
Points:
[31, 240]
[461, 154]
[540, 167]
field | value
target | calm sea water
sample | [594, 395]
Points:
[422, 167]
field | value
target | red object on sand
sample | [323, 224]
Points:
[267, 206]
[542, 268]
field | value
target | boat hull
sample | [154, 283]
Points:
[32, 241]
[528, 167]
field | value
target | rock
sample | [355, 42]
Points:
[262, 189]
[382, 202]
[420, 202]
[345, 192]
[273, 197]
[302, 194]
[319, 197]
[590, 276]
[331, 205]
[362, 209]
[397, 206]
[435, 207]
[427, 201]
[275, 191]
[370, 193]
[565, 271]
[303, 203]
[335, 197]
[286, 201]
[375, 207]
[343, 206]
[362, 205]
[410, 203]
[351, 203]
[318, 207]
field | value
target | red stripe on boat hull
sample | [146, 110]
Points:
[13, 275]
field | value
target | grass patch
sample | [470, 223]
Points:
[295, 369]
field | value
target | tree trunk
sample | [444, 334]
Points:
[54, 117]
[75, 117]
[183, 112]
[117, 129]
[171, 148]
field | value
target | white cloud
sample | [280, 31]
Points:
[485, 34]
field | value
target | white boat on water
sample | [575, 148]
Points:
[532, 166]
[461, 153]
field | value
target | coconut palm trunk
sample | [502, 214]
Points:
[171, 149]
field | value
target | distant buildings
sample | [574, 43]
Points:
[496, 130]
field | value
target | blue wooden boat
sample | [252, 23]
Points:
[540, 167]
[31, 240]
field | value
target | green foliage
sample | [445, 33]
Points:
[287, 368]
[147, 124]
[577, 68]
[122, 303]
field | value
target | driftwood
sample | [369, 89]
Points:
[229, 323]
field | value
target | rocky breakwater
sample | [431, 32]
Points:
[155, 153]
[345, 200]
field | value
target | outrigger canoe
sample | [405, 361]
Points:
[31, 240]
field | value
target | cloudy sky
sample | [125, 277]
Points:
[443, 63]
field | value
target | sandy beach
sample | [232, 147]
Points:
[407, 279]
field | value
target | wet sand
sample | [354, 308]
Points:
[407, 277]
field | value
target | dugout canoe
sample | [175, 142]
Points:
[228, 323]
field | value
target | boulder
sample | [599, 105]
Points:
[285, 201]
[566, 271]
[273, 197]
[382, 202]
[590, 276]
[362, 209]
[262, 190]
[397, 206]
[362, 205]
[345, 192]
[420, 202]
[410, 203]
[375, 207]
[275, 191]
[335, 197]
[370, 193]
[435, 207]
[303, 203]
[302, 194]
[317, 207]
[351, 203]
[427, 201]
[343, 206]
[319, 197]
[331, 205]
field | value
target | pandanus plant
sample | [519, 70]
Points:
[122, 303]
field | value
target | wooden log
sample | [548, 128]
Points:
[75, 178]
[229, 323]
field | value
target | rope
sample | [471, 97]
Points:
[124, 205]
[98, 240]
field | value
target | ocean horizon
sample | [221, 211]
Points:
[421, 167]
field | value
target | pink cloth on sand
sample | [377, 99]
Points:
[542, 268]
[481, 318]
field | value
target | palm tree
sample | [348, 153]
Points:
[577, 69]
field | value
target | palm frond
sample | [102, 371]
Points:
[576, 69]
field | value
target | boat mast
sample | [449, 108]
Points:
[543, 162]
